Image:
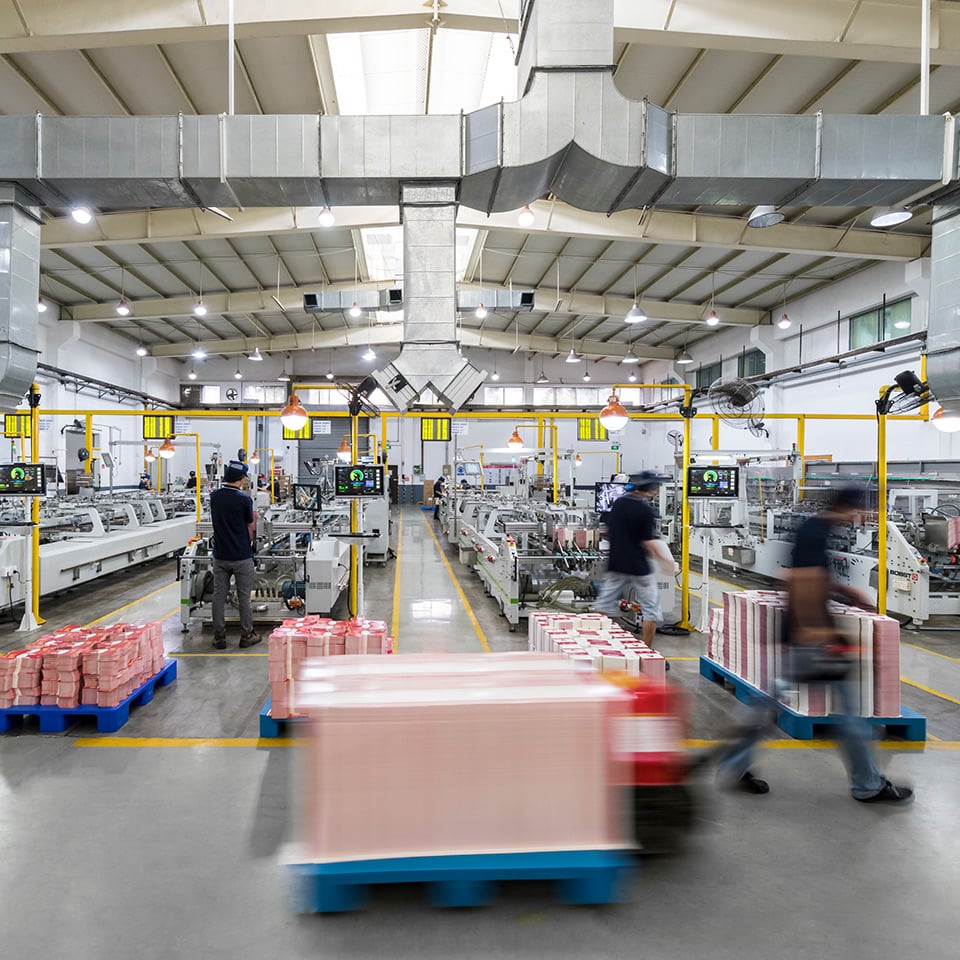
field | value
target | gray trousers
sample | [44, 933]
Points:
[242, 572]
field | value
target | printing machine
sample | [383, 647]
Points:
[527, 554]
[85, 538]
[755, 532]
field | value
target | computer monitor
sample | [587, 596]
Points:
[22, 480]
[469, 468]
[306, 497]
[359, 480]
[713, 483]
[107, 460]
[606, 494]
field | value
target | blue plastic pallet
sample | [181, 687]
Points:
[469, 880]
[109, 719]
[270, 728]
[909, 726]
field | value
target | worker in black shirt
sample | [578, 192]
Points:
[437, 496]
[815, 655]
[234, 526]
[191, 483]
[635, 551]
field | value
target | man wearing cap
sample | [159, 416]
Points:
[234, 524]
[635, 548]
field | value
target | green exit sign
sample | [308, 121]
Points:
[614, 447]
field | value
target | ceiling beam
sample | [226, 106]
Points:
[658, 226]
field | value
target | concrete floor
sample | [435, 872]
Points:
[161, 847]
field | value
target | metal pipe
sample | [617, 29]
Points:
[882, 513]
[685, 528]
[34, 514]
[925, 57]
[555, 429]
[231, 66]
[801, 449]
[354, 527]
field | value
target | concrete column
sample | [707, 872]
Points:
[19, 293]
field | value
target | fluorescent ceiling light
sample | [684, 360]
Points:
[764, 216]
[890, 217]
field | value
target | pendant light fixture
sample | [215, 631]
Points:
[326, 217]
[635, 314]
[198, 353]
[237, 375]
[329, 373]
[343, 451]
[149, 455]
[41, 306]
[712, 318]
[764, 215]
[293, 416]
[200, 308]
[481, 311]
[630, 356]
[192, 375]
[516, 441]
[284, 376]
[784, 322]
[945, 422]
[122, 307]
[525, 217]
[632, 377]
[166, 449]
[254, 458]
[141, 350]
[613, 416]
[586, 375]
[81, 214]
[256, 356]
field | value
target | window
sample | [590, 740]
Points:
[513, 396]
[493, 396]
[566, 396]
[879, 324]
[543, 396]
[751, 363]
[706, 375]
[629, 396]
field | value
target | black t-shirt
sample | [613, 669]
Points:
[810, 547]
[231, 510]
[630, 523]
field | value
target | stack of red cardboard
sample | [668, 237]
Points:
[99, 666]
[594, 641]
[425, 755]
[313, 636]
[746, 639]
[20, 682]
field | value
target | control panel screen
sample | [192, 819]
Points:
[22, 480]
[606, 494]
[359, 481]
[719, 483]
[306, 497]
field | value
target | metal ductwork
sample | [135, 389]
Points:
[388, 300]
[495, 299]
[19, 283]
[429, 355]
[943, 323]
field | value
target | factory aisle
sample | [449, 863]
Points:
[431, 611]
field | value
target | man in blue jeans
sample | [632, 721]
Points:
[635, 552]
[810, 630]
[234, 527]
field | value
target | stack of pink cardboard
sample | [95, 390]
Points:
[953, 531]
[745, 638]
[90, 665]
[594, 641]
[313, 636]
[427, 754]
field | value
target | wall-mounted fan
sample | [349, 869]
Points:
[736, 401]
[758, 428]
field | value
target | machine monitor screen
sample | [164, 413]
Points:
[722, 483]
[359, 481]
[606, 493]
[470, 468]
[306, 497]
[22, 480]
[107, 460]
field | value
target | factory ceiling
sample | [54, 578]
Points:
[87, 59]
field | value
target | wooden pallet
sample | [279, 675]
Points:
[469, 880]
[908, 726]
[109, 719]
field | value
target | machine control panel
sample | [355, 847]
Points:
[22, 480]
[715, 483]
[359, 480]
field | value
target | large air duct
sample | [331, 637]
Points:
[429, 356]
[943, 326]
[19, 283]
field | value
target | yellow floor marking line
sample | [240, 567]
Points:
[916, 646]
[696, 593]
[459, 589]
[936, 739]
[132, 603]
[396, 588]
[683, 658]
[128, 742]
[908, 745]
[930, 690]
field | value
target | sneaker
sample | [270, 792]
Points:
[748, 783]
[889, 793]
[219, 642]
[250, 639]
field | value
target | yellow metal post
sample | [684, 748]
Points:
[555, 432]
[685, 527]
[715, 434]
[273, 473]
[882, 513]
[88, 442]
[801, 450]
[354, 524]
[245, 438]
[35, 507]
[540, 448]
[925, 409]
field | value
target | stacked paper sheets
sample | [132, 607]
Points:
[428, 754]
[82, 665]
[295, 640]
[746, 639]
[594, 641]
